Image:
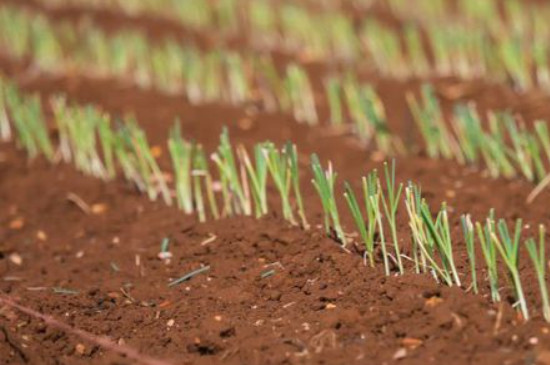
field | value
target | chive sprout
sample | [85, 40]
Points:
[538, 257]
[323, 181]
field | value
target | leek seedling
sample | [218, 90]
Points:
[193, 71]
[5, 128]
[197, 190]
[292, 155]
[372, 194]
[495, 150]
[59, 108]
[376, 116]
[226, 15]
[470, 135]
[212, 75]
[200, 170]
[238, 86]
[509, 250]
[126, 159]
[270, 79]
[534, 151]
[415, 50]
[38, 126]
[301, 95]
[520, 147]
[181, 154]
[541, 130]
[358, 219]
[229, 173]
[489, 253]
[29, 121]
[23, 131]
[441, 235]
[375, 203]
[391, 203]
[79, 138]
[357, 105]
[324, 184]
[333, 91]
[107, 142]
[263, 21]
[258, 177]
[92, 119]
[422, 241]
[277, 163]
[538, 257]
[367, 230]
[429, 118]
[140, 162]
[469, 236]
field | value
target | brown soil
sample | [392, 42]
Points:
[321, 305]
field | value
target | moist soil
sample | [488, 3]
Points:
[274, 294]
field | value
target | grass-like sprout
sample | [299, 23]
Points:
[139, 164]
[475, 142]
[78, 127]
[59, 108]
[495, 151]
[508, 248]
[301, 94]
[257, 173]
[469, 238]
[5, 127]
[333, 90]
[470, 135]
[107, 141]
[520, 147]
[292, 154]
[429, 119]
[126, 159]
[438, 232]
[200, 171]
[367, 228]
[356, 104]
[372, 194]
[324, 181]
[413, 40]
[193, 77]
[238, 85]
[430, 237]
[376, 212]
[390, 201]
[384, 46]
[538, 257]
[181, 154]
[488, 249]
[91, 120]
[231, 177]
[541, 130]
[273, 85]
[279, 169]
[29, 122]
[212, 75]
[359, 221]
[421, 247]
[263, 19]
[226, 13]
[376, 116]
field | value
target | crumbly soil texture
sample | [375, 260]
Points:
[86, 254]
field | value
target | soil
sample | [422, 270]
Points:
[273, 294]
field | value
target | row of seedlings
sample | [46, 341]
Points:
[88, 139]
